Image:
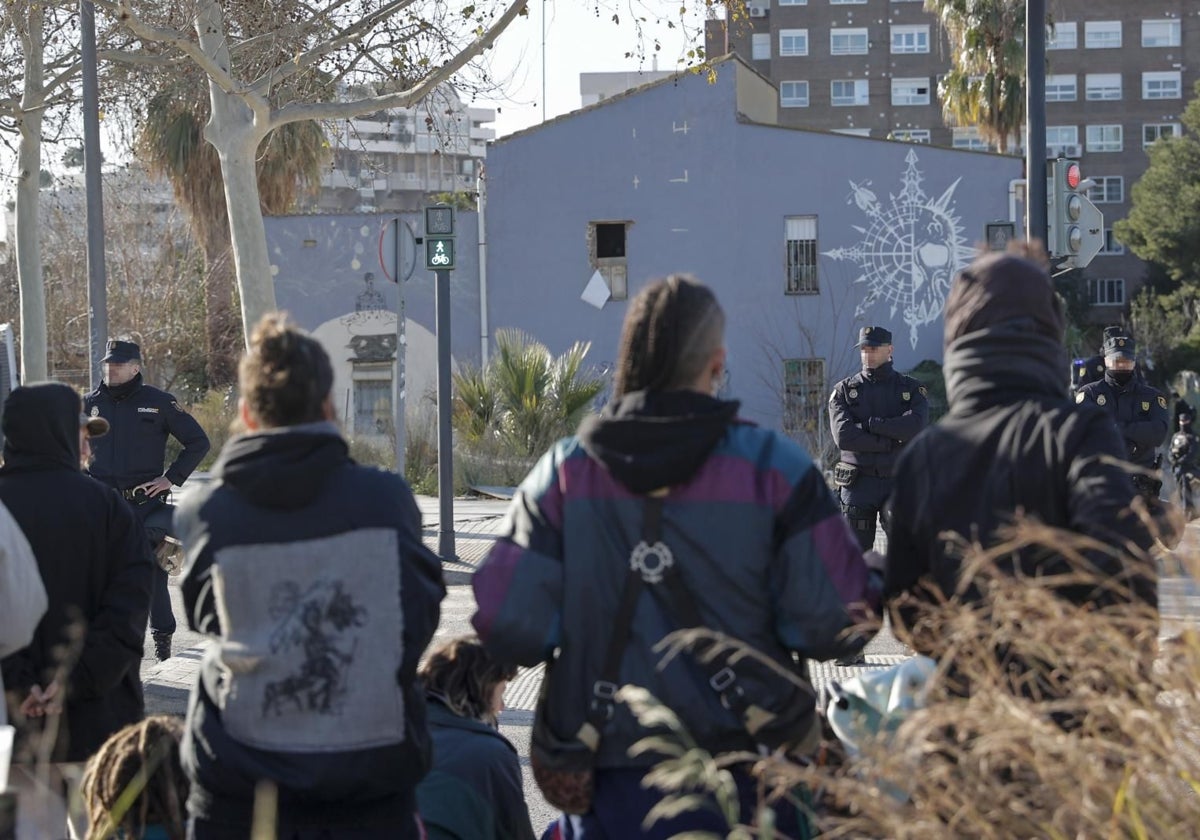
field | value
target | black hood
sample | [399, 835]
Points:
[41, 427]
[652, 440]
[282, 468]
[1004, 363]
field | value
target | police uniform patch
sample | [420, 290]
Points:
[1079, 396]
[853, 393]
[176, 406]
[906, 395]
[1162, 402]
[924, 391]
[95, 411]
[1100, 400]
[1146, 405]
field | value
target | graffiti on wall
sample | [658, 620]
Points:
[910, 250]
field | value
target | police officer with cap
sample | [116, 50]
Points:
[1139, 411]
[130, 458]
[872, 414]
[1091, 369]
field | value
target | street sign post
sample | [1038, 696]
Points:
[439, 258]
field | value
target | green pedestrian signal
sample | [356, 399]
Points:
[439, 254]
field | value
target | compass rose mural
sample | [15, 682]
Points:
[910, 250]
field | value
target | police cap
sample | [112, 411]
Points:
[873, 337]
[119, 352]
[1119, 345]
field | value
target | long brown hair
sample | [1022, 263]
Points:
[673, 327]
[462, 675]
[286, 376]
[135, 780]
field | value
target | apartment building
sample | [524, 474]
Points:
[393, 160]
[1118, 77]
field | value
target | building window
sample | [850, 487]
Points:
[847, 2]
[804, 400]
[1062, 88]
[968, 138]
[910, 91]
[1152, 132]
[853, 132]
[1160, 33]
[1105, 138]
[1102, 34]
[910, 39]
[911, 135]
[793, 94]
[1102, 86]
[372, 398]
[1062, 135]
[1062, 36]
[1163, 85]
[793, 42]
[760, 46]
[1109, 189]
[793, 2]
[1107, 291]
[848, 92]
[1111, 245]
[800, 233]
[848, 42]
[606, 250]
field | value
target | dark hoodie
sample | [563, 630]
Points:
[94, 562]
[311, 572]
[1011, 442]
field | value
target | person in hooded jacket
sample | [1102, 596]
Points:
[310, 571]
[96, 568]
[1011, 442]
[746, 524]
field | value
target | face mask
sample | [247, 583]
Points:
[1121, 377]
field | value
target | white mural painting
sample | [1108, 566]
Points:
[909, 252]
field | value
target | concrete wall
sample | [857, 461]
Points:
[709, 195]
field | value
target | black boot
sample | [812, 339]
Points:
[851, 661]
[162, 646]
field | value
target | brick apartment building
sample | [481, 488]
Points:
[1119, 74]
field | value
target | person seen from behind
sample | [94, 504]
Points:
[474, 790]
[664, 512]
[22, 594]
[310, 571]
[134, 787]
[1012, 445]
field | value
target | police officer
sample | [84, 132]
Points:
[1184, 455]
[1091, 369]
[1139, 411]
[872, 414]
[130, 458]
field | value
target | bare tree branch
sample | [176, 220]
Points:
[401, 99]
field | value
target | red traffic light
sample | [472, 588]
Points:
[1073, 175]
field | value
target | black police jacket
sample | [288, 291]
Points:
[142, 418]
[1139, 411]
[874, 413]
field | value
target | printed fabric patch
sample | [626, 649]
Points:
[313, 641]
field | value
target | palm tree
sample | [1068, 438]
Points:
[985, 86]
[171, 143]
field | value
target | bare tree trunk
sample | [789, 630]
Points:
[235, 132]
[34, 366]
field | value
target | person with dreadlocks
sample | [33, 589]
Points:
[667, 512]
[134, 786]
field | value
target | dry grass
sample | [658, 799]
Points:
[1044, 719]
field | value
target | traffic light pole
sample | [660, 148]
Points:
[1035, 118]
[445, 443]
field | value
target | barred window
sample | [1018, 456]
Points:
[804, 396]
[800, 233]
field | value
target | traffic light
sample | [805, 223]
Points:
[1075, 227]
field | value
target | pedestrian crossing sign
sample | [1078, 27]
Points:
[439, 253]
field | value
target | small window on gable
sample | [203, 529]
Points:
[606, 244]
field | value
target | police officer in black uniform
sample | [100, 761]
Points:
[1184, 457]
[1139, 411]
[130, 458]
[1091, 369]
[872, 414]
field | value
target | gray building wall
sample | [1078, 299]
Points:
[706, 193]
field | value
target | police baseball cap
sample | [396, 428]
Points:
[1119, 345]
[96, 426]
[119, 352]
[873, 337]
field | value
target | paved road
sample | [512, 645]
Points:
[476, 521]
